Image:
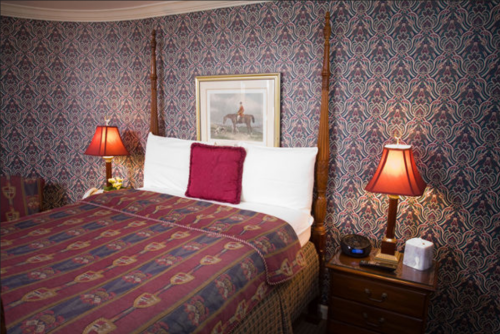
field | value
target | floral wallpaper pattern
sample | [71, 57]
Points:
[427, 71]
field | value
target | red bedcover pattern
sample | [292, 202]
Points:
[136, 261]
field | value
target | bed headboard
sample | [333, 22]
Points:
[318, 234]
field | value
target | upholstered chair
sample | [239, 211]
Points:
[20, 197]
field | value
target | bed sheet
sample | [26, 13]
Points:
[300, 220]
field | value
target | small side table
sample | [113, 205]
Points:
[365, 300]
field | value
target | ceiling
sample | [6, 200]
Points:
[98, 11]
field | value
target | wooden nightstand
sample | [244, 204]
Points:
[364, 300]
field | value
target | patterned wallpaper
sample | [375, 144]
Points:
[427, 71]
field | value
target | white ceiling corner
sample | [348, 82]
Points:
[106, 11]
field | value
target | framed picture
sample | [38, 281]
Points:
[234, 108]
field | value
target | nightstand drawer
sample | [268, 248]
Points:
[372, 318]
[375, 293]
[337, 327]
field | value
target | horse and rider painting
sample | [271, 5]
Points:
[240, 118]
[238, 108]
[243, 122]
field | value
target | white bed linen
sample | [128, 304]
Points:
[300, 220]
[282, 176]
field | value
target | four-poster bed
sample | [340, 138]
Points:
[107, 263]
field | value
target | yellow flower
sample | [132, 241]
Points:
[116, 183]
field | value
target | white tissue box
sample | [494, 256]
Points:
[418, 254]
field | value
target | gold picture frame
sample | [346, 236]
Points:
[235, 108]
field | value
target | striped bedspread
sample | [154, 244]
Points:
[135, 261]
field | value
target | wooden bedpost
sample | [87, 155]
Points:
[154, 100]
[318, 235]
[2, 321]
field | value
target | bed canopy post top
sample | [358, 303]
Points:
[154, 78]
[327, 31]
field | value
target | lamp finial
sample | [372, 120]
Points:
[397, 136]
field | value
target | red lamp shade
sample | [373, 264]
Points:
[397, 173]
[106, 142]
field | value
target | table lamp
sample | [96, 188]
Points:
[396, 175]
[107, 143]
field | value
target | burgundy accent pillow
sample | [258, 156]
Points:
[215, 173]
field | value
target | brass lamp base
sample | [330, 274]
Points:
[387, 252]
[109, 173]
[388, 258]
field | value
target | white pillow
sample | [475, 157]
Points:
[167, 163]
[279, 176]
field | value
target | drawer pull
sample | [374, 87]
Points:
[380, 321]
[383, 296]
